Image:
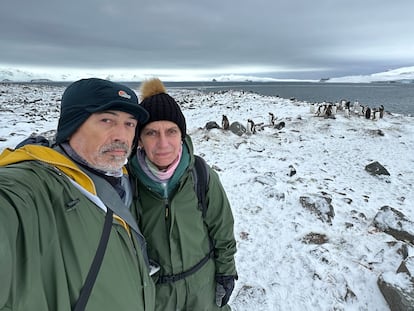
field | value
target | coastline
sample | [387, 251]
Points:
[395, 97]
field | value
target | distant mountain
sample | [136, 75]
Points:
[242, 78]
[14, 75]
[400, 75]
[19, 75]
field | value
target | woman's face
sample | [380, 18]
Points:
[161, 141]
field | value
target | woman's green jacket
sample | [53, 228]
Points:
[178, 237]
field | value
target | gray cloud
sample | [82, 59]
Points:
[291, 39]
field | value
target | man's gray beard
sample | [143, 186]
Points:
[109, 169]
[114, 165]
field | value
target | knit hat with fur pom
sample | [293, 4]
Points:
[160, 105]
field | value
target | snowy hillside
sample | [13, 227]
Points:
[405, 74]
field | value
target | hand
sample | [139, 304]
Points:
[224, 288]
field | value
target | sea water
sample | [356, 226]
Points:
[395, 97]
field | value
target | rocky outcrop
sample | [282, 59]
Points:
[397, 288]
[320, 205]
[395, 223]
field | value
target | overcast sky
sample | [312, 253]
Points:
[268, 38]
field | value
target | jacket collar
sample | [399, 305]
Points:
[49, 156]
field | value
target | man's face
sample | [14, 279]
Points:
[105, 139]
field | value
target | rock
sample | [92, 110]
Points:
[251, 295]
[315, 238]
[394, 223]
[212, 125]
[407, 266]
[319, 205]
[375, 168]
[399, 294]
[397, 298]
[237, 128]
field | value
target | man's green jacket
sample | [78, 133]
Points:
[51, 221]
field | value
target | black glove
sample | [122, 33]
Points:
[224, 288]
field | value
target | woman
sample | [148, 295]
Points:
[195, 253]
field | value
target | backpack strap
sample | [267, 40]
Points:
[179, 276]
[201, 179]
[96, 264]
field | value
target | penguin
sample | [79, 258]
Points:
[346, 112]
[251, 127]
[280, 125]
[381, 110]
[312, 109]
[292, 171]
[334, 109]
[321, 110]
[225, 124]
[359, 109]
[376, 114]
[368, 113]
[271, 118]
[355, 107]
[328, 111]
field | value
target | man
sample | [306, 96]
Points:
[53, 206]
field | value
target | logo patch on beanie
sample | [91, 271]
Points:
[124, 94]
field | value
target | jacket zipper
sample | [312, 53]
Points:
[167, 210]
[166, 202]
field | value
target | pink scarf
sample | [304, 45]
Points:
[166, 174]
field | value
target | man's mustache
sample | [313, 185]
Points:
[115, 146]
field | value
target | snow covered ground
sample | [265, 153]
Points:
[288, 258]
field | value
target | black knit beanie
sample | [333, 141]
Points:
[160, 105]
[87, 96]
